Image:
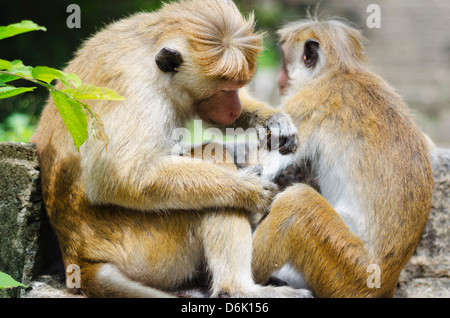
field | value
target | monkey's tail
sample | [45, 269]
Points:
[106, 280]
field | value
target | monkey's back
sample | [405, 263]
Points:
[363, 125]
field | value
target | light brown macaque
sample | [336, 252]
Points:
[138, 218]
[371, 163]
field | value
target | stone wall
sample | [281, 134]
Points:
[28, 250]
[20, 212]
[427, 273]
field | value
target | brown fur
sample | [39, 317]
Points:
[358, 133]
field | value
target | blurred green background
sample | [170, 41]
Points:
[411, 50]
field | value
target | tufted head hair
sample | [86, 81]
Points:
[341, 44]
[222, 40]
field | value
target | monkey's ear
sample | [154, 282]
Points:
[311, 53]
[168, 60]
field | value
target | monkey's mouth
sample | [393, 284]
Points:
[207, 119]
[212, 122]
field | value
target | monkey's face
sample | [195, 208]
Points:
[300, 62]
[221, 108]
[215, 100]
[311, 49]
[283, 77]
[211, 53]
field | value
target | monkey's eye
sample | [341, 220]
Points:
[311, 53]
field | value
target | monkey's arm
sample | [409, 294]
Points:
[269, 121]
[181, 183]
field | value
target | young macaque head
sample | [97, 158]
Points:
[212, 55]
[313, 48]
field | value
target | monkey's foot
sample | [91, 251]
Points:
[268, 292]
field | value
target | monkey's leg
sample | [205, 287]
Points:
[144, 255]
[304, 231]
[228, 262]
[227, 242]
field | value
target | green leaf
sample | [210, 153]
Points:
[5, 65]
[9, 91]
[18, 68]
[6, 281]
[5, 78]
[87, 91]
[74, 117]
[48, 74]
[18, 28]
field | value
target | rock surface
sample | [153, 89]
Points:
[28, 249]
[20, 212]
[427, 274]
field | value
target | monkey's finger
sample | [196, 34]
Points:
[253, 170]
[281, 134]
[288, 144]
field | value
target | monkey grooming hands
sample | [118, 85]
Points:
[138, 220]
[371, 162]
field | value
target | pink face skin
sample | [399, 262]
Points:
[283, 76]
[283, 80]
[223, 107]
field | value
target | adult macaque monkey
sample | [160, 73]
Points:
[138, 220]
[371, 161]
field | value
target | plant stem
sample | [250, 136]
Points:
[47, 86]
[96, 121]
[30, 79]
[51, 88]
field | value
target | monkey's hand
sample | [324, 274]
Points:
[279, 133]
[267, 189]
[275, 128]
